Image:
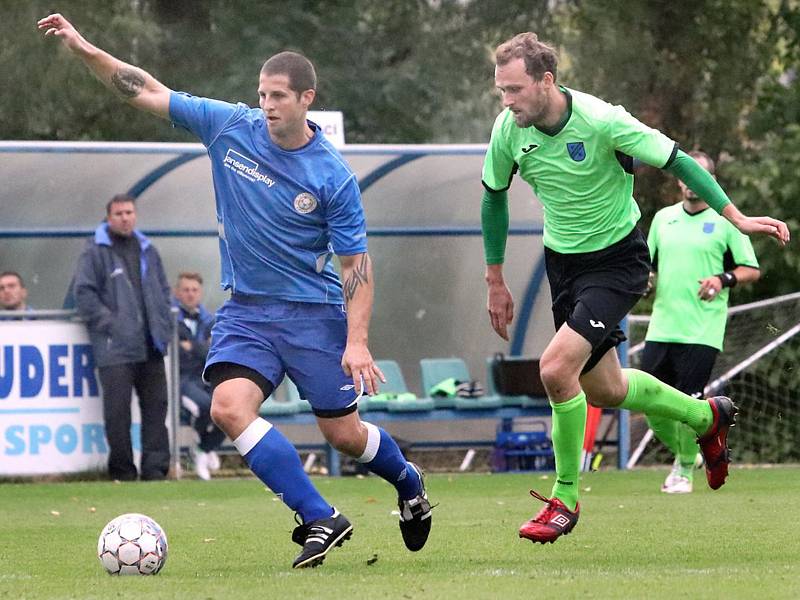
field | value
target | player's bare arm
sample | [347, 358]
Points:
[358, 288]
[711, 286]
[137, 87]
[499, 303]
[763, 225]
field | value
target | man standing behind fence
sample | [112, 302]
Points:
[121, 291]
[698, 256]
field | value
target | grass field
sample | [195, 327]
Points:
[230, 539]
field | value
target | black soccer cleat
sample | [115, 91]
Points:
[415, 516]
[319, 537]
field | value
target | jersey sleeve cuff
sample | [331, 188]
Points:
[672, 156]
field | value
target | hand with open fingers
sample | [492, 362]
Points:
[58, 26]
[357, 362]
[766, 225]
[709, 288]
[500, 305]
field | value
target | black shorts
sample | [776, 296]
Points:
[223, 371]
[686, 367]
[593, 291]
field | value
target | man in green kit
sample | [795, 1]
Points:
[698, 256]
[576, 151]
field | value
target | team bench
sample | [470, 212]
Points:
[397, 404]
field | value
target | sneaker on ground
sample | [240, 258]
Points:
[213, 461]
[714, 443]
[319, 537]
[673, 476]
[553, 521]
[681, 485]
[415, 516]
[201, 465]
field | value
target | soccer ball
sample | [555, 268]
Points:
[132, 544]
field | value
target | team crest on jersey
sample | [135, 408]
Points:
[708, 227]
[305, 203]
[577, 151]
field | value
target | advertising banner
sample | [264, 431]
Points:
[51, 412]
[332, 124]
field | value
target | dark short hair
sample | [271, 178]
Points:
[190, 275]
[712, 166]
[119, 199]
[296, 67]
[13, 274]
[538, 56]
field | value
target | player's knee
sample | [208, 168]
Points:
[220, 414]
[225, 412]
[556, 374]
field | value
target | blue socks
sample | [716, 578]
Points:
[382, 456]
[275, 462]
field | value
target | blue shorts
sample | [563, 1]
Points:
[277, 338]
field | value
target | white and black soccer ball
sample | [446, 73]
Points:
[132, 544]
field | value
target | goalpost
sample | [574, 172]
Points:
[759, 368]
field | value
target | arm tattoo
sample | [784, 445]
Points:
[128, 81]
[358, 276]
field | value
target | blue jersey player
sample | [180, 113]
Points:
[286, 202]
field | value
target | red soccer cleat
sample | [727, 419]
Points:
[553, 521]
[714, 444]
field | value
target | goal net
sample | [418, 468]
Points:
[759, 369]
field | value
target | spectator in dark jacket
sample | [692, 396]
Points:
[194, 333]
[122, 292]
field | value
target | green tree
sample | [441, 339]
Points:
[690, 68]
[764, 176]
[411, 71]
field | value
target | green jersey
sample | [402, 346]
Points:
[581, 171]
[685, 249]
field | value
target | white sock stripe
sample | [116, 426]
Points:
[373, 443]
[252, 435]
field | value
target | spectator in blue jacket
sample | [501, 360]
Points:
[122, 292]
[194, 333]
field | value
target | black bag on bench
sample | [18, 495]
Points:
[517, 376]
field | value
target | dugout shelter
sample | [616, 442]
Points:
[422, 204]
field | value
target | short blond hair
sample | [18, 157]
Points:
[539, 57]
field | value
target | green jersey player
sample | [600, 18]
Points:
[698, 255]
[576, 152]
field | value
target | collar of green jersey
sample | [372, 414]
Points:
[556, 129]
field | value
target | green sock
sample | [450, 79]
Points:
[569, 423]
[653, 397]
[688, 448]
[666, 430]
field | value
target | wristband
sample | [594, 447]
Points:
[728, 279]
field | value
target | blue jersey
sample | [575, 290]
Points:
[281, 214]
